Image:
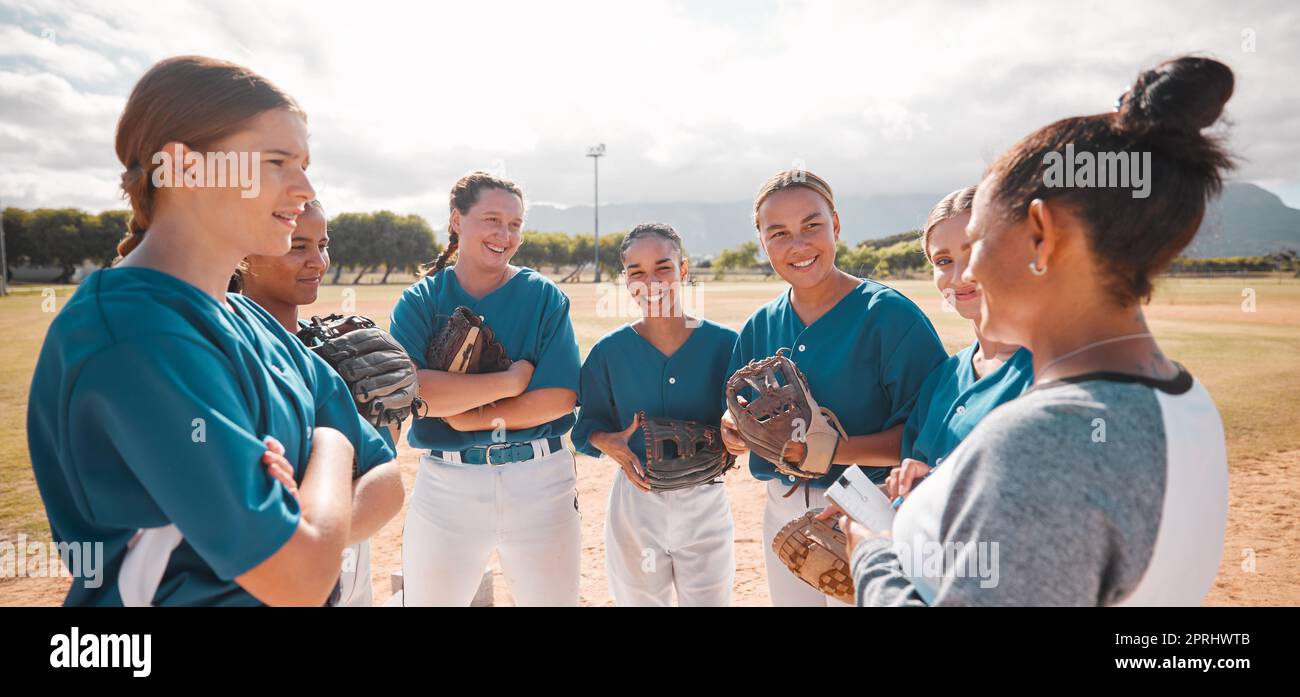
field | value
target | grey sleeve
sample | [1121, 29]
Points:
[879, 579]
[1042, 510]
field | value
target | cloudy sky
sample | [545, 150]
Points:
[695, 101]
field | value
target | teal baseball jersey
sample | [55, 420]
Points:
[625, 374]
[952, 401]
[529, 316]
[865, 360]
[149, 407]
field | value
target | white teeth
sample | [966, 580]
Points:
[498, 250]
[804, 264]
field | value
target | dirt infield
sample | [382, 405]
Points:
[1261, 522]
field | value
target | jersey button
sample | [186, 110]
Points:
[802, 347]
[672, 381]
[790, 477]
[961, 409]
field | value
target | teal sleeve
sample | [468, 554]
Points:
[336, 409]
[558, 362]
[411, 324]
[179, 421]
[596, 405]
[916, 419]
[916, 354]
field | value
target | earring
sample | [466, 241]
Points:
[1033, 268]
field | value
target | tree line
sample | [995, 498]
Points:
[359, 244]
[362, 243]
[65, 238]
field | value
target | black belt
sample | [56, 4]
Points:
[502, 453]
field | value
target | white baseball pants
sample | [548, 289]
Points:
[459, 514]
[660, 542]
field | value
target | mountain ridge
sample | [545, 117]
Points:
[1246, 220]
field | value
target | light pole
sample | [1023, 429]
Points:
[595, 152]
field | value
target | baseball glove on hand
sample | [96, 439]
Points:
[816, 552]
[466, 345]
[681, 454]
[378, 371]
[783, 424]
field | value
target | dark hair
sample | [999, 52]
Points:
[792, 179]
[950, 206]
[1163, 113]
[660, 230]
[236, 284]
[193, 100]
[464, 194]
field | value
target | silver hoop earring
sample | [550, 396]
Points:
[1033, 268]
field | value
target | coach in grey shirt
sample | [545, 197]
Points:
[1106, 484]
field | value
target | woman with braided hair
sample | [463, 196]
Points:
[160, 400]
[495, 475]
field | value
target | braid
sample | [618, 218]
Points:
[136, 187]
[453, 241]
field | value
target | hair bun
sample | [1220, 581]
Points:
[1183, 94]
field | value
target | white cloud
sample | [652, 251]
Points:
[696, 102]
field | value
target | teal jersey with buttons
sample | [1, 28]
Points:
[865, 360]
[625, 374]
[529, 316]
[952, 401]
[148, 410]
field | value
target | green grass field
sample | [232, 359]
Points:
[1247, 360]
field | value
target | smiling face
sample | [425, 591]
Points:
[798, 231]
[949, 251]
[489, 230]
[654, 271]
[292, 278]
[1001, 250]
[265, 223]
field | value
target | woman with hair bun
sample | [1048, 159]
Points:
[1107, 482]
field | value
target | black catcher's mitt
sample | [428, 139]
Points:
[377, 370]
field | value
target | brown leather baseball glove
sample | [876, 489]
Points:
[466, 345]
[816, 552]
[680, 454]
[781, 422]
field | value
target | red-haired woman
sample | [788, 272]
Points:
[157, 395]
